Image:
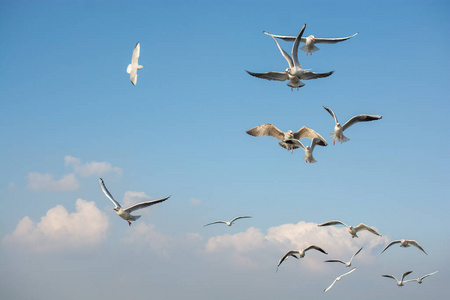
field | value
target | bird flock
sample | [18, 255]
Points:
[290, 141]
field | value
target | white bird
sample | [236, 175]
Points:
[300, 252]
[339, 278]
[134, 66]
[339, 130]
[294, 73]
[309, 46]
[228, 223]
[405, 243]
[419, 280]
[272, 130]
[399, 283]
[347, 264]
[352, 230]
[308, 149]
[125, 213]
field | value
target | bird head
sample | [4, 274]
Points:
[288, 70]
[290, 133]
[116, 208]
[311, 37]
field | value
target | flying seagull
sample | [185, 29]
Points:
[352, 230]
[347, 264]
[228, 223]
[134, 66]
[399, 283]
[308, 149]
[300, 252]
[339, 130]
[309, 46]
[294, 73]
[419, 280]
[272, 130]
[339, 278]
[126, 213]
[405, 243]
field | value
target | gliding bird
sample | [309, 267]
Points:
[419, 280]
[300, 252]
[405, 243]
[347, 264]
[228, 223]
[294, 73]
[309, 46]
[272, 130]
[339, 130]
[352, 230]
[339, 278]
[399, 283]
[125, 213]
[134, 66]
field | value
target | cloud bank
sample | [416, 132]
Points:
[90, 169]
[45, 182]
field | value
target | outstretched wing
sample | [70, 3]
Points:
[108, 194]
[360, 118]
[279, 76]
[331, 285]
[424, 276]
[348, 272]
[307, 75]
[390, 276]
[216, 222]
[365, 227]
[336, 260]
[295, 46]
[289, 253]
[416, 244]
[406, 274]
[315, 248]
[331, 113]
[317, 141]
[306, 132]
[332, 40]
[237, 218]
[356, 253]
[334, 222]
[390, 244]
[267, 130]
[136, 53]
[144, 204]
[284, 53]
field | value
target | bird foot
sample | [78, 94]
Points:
[129, 223]
[334, 141]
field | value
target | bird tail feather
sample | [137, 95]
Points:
[129, 69]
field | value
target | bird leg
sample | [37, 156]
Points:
[129, 223]
[297, 87]
[291, 89]
[341, 141]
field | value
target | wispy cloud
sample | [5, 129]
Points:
[60, 230]
[45, 182]
[93, 168]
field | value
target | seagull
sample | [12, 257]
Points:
[294, 73]
[352, 230]
[419, 280]
[339, 130]
[300, 252]
[339, 278]
[126, 213]
[228, 223]
[399, 283]
[308, 149]
[347, 264]
[272, 130]
[311, 40]
[134, 66]
[405, 243]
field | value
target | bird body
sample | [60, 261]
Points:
[352, 230]
[134, 66]
[399, 282]
[310, 41]
[126, 213]
[228, 223]
[308, 149]
[294, 73]
[339, 129]
[405, 244]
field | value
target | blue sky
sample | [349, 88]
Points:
[71, 115]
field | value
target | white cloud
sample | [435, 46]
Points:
[91, 169]
[131, 198]
[45, 182]
[59, 230]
